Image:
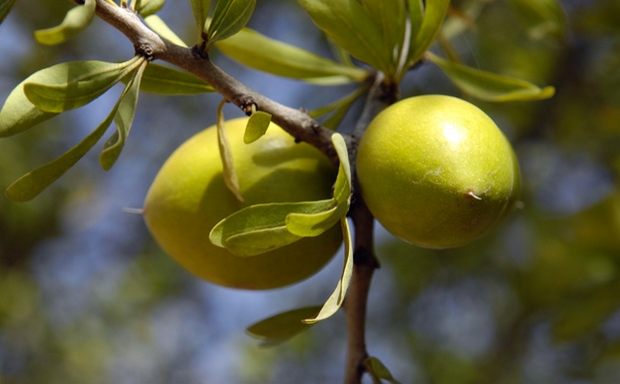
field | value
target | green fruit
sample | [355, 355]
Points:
[436, 171]
[189, 196]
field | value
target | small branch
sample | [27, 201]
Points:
[356, 301]
[296, 122]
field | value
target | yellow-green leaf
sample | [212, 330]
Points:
[148, 7]
[200, 9]
[279, 328]
[353, 29]
[489, 86]
[76, 20]
[162, 29]
[126, 110]
[335, 300]
[434, 13]
[229, 17]
[164, 80]
[262, 227]
[378, 371]
[268, 55]
[231, 179]
[66, 86]
[257, 126]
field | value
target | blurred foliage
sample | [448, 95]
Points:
[536, 302]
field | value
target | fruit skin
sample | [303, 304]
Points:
[436, 171]
[189, 196]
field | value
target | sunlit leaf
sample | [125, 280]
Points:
[123, 119]
[262, 227]
[71, 85]
[352, 28]
[200, 8]
[489, 86]
[5, 8]
[164, 80]
[335, 300]
[277, 329]
[268, 55]
[162, 29]
[148, 7]
[391, 19]
[230, 173]
[229, 17]
[378, 371]
[33, 183]
[434, 13]
[76, 20]
[338, 109]
[257, 126]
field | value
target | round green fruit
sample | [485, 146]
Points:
[436, 171]
[189, 196]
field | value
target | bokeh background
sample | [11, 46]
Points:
[86, 296]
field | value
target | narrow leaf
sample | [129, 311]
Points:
[230, 174]
[268, 55]
[76, 20]
[541, 18]
[352, 28]
[124, 119]
[200, 8]
[257, 126]
[335, 300]
[164, 80]
[260, 228]
[434, 13]
[229, 17]
[391, 19]
[148, 7]
[5, 8]
[66, 86]
[489, 86]
[277, 329]
[378, 371]
[161, 28]
[33, 183]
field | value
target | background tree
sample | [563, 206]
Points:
[87, 297]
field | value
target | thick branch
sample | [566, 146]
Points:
[146, 42]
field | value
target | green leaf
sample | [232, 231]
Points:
[229, 17]
[257, 126]
[18, 113]
[200, 8]
[391, 19]
[378, 371]
[5, 8]
[434, 13]
[489, 86]
[335, 300]
[315, 223]
[161, 28]
[339, 108]
[352, 28]
[262, 227]
[164, 80]
[76, 20]
[123, 118]
[148, 7]
[33, 183]
[268, 55]
[71, 85]
[230, 174]
[280, 328]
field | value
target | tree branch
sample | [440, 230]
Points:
[148, 43]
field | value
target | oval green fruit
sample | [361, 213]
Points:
[189, 196]
[436, 171]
